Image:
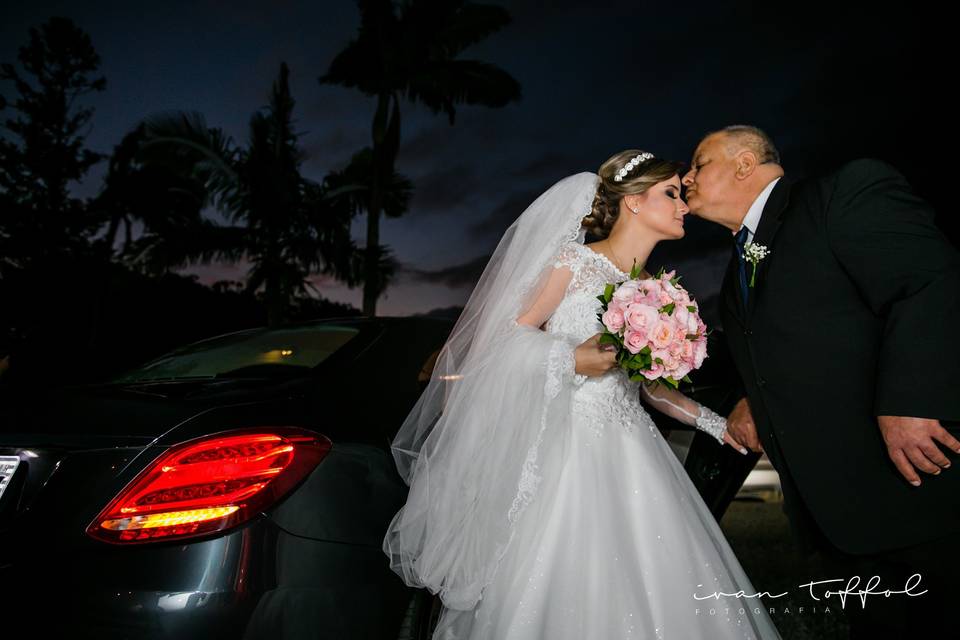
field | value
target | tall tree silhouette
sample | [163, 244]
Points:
[157, 197]
[410, 49]
[354, 184]
[288, 227]
[44, 150]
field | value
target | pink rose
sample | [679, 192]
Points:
[683, 369]
[676, 347]
[670, 362]
[679, 332]
[676, 294]
[613, 319]
[699, 354]
[656, 370]
[625, 292]
[640, 317]
[649, 297]
[661, 334]
[634, 341]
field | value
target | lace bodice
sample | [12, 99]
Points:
[611, 398]
[576, 316]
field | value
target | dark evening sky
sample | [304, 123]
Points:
[826, 82]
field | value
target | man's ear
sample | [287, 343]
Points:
[747, 163]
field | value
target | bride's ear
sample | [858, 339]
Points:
[632, 203]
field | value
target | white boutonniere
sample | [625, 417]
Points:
[754, 253]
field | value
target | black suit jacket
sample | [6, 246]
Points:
[853, 315]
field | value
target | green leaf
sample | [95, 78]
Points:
[687, 379]
[691, 308]
[608, 292]
[646, 350]
[668, 308]
[609, 338]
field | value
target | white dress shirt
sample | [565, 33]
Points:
[752, 220]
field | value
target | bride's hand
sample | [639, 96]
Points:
[730, 440]
[594, 359]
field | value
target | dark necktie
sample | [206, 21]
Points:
[741, 239]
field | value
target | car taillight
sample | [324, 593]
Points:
[210, 484]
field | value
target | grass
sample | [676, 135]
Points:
[759, 534]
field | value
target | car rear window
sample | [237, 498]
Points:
[248, 353]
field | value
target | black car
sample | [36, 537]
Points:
[238, 487]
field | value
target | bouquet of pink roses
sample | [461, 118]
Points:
[655, 326]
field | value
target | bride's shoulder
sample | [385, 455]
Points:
[569, 255]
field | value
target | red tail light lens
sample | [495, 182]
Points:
[210, 484]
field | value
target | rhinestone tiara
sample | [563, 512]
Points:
[637, 159]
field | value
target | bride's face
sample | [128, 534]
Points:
[660, 209]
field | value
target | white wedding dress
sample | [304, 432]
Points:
[619, 543]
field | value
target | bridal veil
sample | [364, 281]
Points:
[470, 447]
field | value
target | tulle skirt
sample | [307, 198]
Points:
[619, 545]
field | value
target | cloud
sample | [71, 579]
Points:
[548, 166]
[461, 275]
[503, 215]
[443, 189]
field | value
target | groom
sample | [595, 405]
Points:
[844, 335]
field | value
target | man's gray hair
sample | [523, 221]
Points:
[753, 138]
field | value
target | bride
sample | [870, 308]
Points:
[543, 503]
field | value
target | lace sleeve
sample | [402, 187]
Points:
[562, 366]
[562, 361]
[678, 406]
[568, 257]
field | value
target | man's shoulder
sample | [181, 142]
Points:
[850, 179]
[864, 169]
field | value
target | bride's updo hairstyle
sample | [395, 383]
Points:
[637, 179]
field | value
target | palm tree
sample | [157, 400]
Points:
[354, 185]
[153, 195]
[287, 226]
[410, 49]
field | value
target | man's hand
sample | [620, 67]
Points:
[741, 426]
[911, 443]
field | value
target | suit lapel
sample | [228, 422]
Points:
[770, 221]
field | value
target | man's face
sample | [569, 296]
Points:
[711, 175]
